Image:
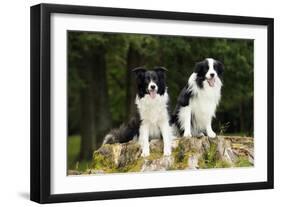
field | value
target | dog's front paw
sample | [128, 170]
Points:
[167, 152]
[187, 135]
[211, 134]
[201, 134]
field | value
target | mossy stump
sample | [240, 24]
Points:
[187, 153]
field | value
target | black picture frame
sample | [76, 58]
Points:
[41, 99]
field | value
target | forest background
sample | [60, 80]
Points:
[101, 86]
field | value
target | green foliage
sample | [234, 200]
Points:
[210, 159]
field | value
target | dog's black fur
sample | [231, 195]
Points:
[201, 68]
[128, 131]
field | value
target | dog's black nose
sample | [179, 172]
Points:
[212, 75]
[152, 87]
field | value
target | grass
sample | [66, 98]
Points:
[243, 162]
[240, 134]
[210, 159]
[73, 147]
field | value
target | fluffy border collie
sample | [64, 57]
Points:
[152, 116]
[197, 102]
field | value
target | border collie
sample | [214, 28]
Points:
[197, 102]
[152, 116]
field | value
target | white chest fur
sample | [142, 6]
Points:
[201, 108]
[153, 112]
[204, 102]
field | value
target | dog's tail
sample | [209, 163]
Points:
[124, 133]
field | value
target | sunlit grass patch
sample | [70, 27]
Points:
[73, 148]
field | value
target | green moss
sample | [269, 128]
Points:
[103, 162]
[134, 167]
[209, 157]
[222, 164]
[181, 156]
[243, 162]
[154, 155]
[201, 163]
[131, 161]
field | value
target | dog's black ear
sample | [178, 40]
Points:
[161, 71]
[139, 71]
[140, 76]
[219, 67]
[199, 67]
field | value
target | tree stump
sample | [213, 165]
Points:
[187, 153]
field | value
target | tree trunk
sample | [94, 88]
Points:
[100, 95]
[241, 115]
[133, 60]
[95, 115]
[87, 122]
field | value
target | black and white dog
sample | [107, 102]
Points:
[152, 117]
[197, 102]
